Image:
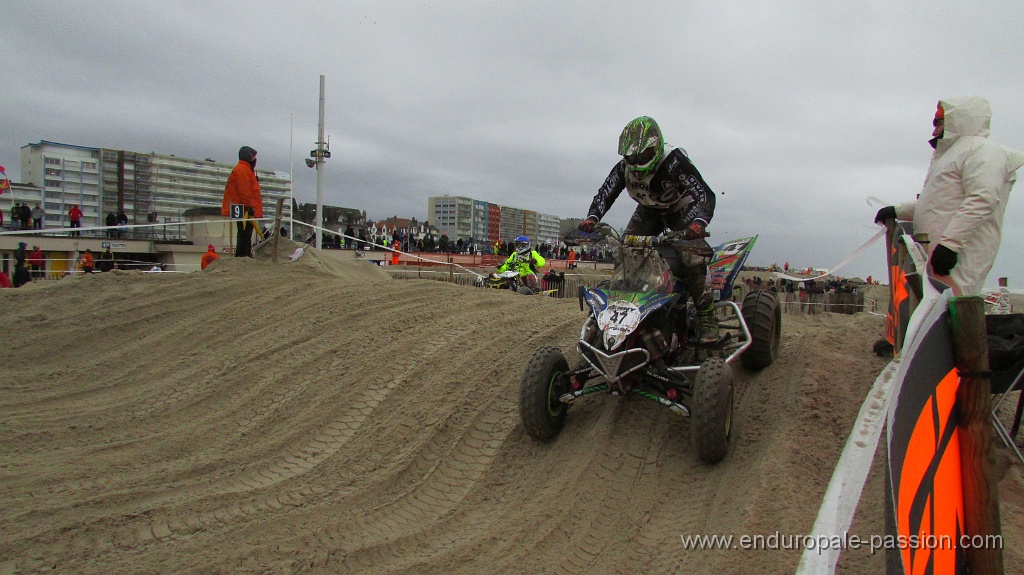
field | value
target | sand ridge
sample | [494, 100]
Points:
[319, 417]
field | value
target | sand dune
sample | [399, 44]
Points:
[319, 417]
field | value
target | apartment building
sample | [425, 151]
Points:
[148, 187]
[462, 217]
[68, 175]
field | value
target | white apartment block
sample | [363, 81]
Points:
[149, 187]
[68, 175]
[548, 229]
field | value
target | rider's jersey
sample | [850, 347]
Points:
[525, 265]
[675, 186]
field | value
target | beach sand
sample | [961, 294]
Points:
[319, 417]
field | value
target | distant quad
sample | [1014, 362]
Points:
[640, 339]
[509, 280]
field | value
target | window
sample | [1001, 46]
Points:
[52, 161]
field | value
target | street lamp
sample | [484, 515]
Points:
[321, 153]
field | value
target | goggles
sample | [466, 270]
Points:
[642, 158]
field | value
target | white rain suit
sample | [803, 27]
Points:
[965, 192]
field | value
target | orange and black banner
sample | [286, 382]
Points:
[924, 454]
[898, 318]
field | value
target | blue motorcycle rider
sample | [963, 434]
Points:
[526, 261]
[671, 195]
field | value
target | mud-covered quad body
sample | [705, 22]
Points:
[504, 280]
[641, 337]
[509, 280]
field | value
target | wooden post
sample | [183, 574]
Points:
[973, 409]
[277, 228]
[451, 270]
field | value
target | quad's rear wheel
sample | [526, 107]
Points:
[763, 314]
[525, 290]
[711, 410]
[543, 382]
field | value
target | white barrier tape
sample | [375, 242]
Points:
[65, 231]
[844, 490]
[117, 261]
[873, 201]
[839, 265]
[386, 248]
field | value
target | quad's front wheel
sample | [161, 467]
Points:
[763, 314]
[542, 384]
[711, 410]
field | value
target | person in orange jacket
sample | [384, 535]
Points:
[394, 254]
[209, 257]
[243, 187]
[87, 262]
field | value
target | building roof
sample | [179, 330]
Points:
[49, 143]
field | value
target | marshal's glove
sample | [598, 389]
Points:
[696, 230]
[886, 213]
[943, 260]
[587, 225]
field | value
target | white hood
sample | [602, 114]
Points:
[966, 191]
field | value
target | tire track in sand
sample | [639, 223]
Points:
[450, 468]
[298, 461]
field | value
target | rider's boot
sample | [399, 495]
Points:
[709, 324]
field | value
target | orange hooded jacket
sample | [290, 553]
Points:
[242, 188]
[209, 257]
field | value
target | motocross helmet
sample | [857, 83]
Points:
[641, 145]
[522, 245]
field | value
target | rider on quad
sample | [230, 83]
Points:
[526, 261]
[671, 195]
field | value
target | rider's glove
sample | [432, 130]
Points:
[587, 225]
[886, 213]
[695, 231]
[943, 259]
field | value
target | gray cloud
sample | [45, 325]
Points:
[794, 113]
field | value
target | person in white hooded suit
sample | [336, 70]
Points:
[965, 193]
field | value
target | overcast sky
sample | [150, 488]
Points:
[794, 112]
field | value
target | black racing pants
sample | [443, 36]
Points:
[243, 242]
[691, 271]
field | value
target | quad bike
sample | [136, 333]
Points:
[641, 337]
[509, 280]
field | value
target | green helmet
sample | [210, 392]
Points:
[641, 145]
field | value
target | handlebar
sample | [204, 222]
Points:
[676, 239]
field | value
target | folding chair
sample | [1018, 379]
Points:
[1006, 361]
